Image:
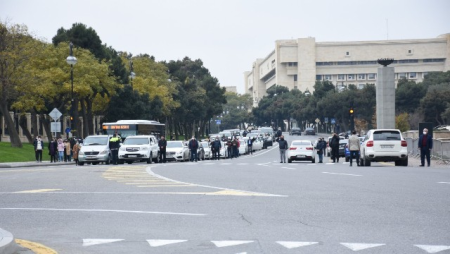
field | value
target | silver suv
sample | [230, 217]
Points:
[384, 145]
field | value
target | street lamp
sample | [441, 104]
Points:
[72, 61]
[132, 74]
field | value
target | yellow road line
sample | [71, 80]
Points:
[35, 247]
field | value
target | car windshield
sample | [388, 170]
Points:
[174, 144]
[95, 141]
[386, 135]
[136, 141]
[301, 143]
[204, 144]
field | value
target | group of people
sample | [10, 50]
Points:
[59, 150]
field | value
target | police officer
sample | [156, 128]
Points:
[114, 145]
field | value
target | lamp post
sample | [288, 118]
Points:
[72, 61]
[132, 74]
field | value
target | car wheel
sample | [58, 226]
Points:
[81, 163]
[94, 163]
[129, 162]
[313, 161]
[361, 163]
[366, 162]
[149, 160]
[289, 161]
[108, 161]
[121, 162]
[398, 163]
[405, 162]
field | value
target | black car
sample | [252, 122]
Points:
[342, 144]
[310, 131]
[295, 131]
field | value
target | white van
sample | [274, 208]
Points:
[95, 149]
[139, 148]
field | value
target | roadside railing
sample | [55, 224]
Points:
[440, 151]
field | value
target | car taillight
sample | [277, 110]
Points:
[309, 148]
[370, 143]
[293, 148]
[404, 144]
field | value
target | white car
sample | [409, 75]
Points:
[207, 149]
[384, 145]
[258, 143]
[95, 149]
[139, 148]
[177, 150]
[223, 150]
[243, 147]
[301, 150]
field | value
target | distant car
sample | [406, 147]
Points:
[206, 149]
[177, 150]
[310, 131]
[139, 148]
[342, 144]
[258, 143]
[301, 150]
[95, 149]
[384, 145]
[200, 152]
[243, 148]
[295, 131]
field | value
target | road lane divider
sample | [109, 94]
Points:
[340, 174]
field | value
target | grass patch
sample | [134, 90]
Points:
[26, 153]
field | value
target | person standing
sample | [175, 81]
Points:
[353, 147]
[235, 148]
[60, 150]
[283, 145]
[193, 147]
[114, 144]
[250, 144]
[38, 147]
[162, 144]
[321, 146]
[334, 144]
[425, 146]
[215, 147]
[229, 148]
[53, 150]
[75, 150]
[279, 133]
[67, 151]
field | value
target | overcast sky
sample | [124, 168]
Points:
[229, 35]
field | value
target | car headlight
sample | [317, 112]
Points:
[80, 153]
[104, 152]
[144, 148]
[122, 148]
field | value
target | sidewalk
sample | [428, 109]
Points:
[32, 164]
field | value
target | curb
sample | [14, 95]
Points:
[29, 164]
[7, 243]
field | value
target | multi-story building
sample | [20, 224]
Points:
[297, 64]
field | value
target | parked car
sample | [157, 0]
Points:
[223, 150]
[342, 144]
[139, 148]
[95, 150]
[177, 151]
[295, 131]
[243, 147]
[258, 143]
[207, 154]
[384, 145]
[300, 150]
[310, 131]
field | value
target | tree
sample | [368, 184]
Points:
[408, 95]
[402, 122]
[435, 102]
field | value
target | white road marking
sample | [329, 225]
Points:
[210, 163]
[149, 170]
[225, 163]
[340, 174]
[243, 163]
[102, 210]
[292, 245]
[90, 242]
[444, 182]
[221, 244]
[311, 164]
[157, 243]
[361, 246]
[433, 248]
[330, 163]
[287, 168]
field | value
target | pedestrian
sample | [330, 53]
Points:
[72, 141]
[230, 148]
[67, 151]
[320, 147]
[353, 147]
[216, 145]
[53, 150]
[334, 144]
[283, 146]
[114, 145]
[235, 148]
[75, 150]
[38, 147]
[425, 146]
[162, 144]
[279, 133]
[193, 147]
[60, 150]
[250, 144]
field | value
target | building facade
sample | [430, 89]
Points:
[298, 64]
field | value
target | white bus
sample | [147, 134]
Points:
[127, 128]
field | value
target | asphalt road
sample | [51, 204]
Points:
[253, 204]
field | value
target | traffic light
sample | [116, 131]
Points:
[351, 111]
[71, 118]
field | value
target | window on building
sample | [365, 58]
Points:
[361, 76]
[412, 75]
[292, 64]
[327, 77]
[410, 51]
[319, 77]
[341, 76]
[371, 76]
[434, 60]
[361, 86]
[424, 74]
[347, 53]
[295, 77]
[408, 61]
[351, 77]
[402, 75]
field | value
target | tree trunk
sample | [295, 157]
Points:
[46, 123]
[34, 127]
[85, 123]
[13, 134]
[23, 125]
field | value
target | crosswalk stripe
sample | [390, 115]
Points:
[292, 245]
[433, 248]
[220, 244]
[90, 242]
[361, 246]
[158, 243]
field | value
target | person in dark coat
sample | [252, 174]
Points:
[216, 145]
[425, 146]
[334, 144]
[53, 150]
[321, 146]
[162, 144]
[114, 145]
[193, 147]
